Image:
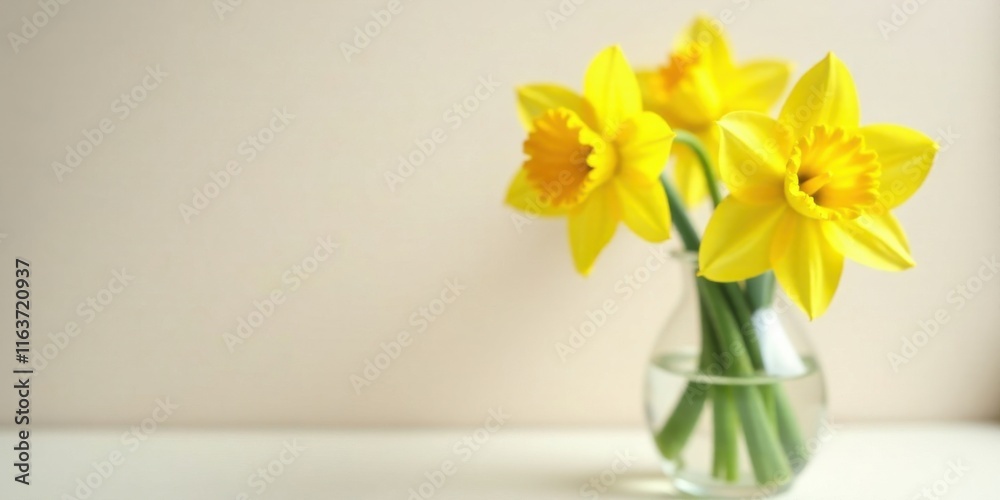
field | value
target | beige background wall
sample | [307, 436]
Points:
[323, 176]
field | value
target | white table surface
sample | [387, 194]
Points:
[859, 462]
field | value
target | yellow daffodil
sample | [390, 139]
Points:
[595, 158]
[810, 188]
[700, 84]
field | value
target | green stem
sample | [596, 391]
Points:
[690, 140]
[744, 315]
[741, 309]
[682, 421]
[770, 464]
[678, 215]
[726, 434]
[679, 426]
[760, 290]
[725, 418]
[788, 428]
[708, 347]
[775, 401]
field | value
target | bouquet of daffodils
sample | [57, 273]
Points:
[793, 197]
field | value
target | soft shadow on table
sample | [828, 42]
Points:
[646, 485]
[638, 485]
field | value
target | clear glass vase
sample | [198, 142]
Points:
[735, 415]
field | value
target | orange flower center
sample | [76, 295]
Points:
[680, 65]
[557, 163]
[831, 175]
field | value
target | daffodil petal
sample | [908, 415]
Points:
[706, 34]
[806, 263]
[753, 152]
[737, 242]
[689, 177]
[906, 157]
[591, 226]
[644, 208]
[652, 89]
[644, 145]
[523, 196]
[695, 102]
[611, 89]
[825, 95]
[874, 240]
[756, 86]
[535, 99]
